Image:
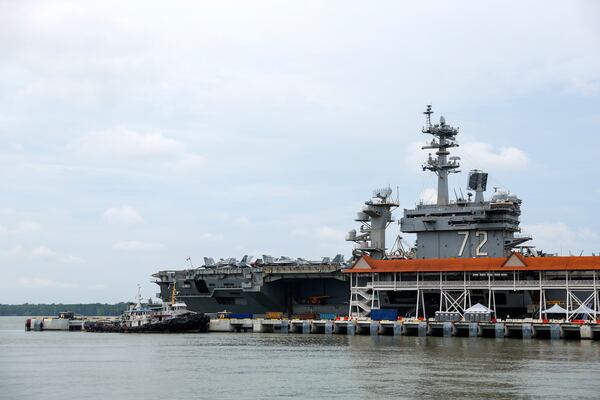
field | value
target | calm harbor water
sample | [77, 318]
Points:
[69, 365]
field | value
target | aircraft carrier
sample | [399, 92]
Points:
[464, 227]
[258, 286]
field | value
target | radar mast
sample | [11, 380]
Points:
[444, 137]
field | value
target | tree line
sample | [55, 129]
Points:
[93, 309]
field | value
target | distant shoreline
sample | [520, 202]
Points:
[96, 309]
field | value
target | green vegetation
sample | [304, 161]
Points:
[95, 309]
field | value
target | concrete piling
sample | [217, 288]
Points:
[499, 330]
[473, 329]
[527, 331]
[351, 328]
[398, 328]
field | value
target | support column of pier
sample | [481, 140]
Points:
[555, 332]
[473, 329]
[351, 328]
[422, 328]
[220, 325]
[585, 331]
[374, 328]
[499, 329]
[305, 327]
[447, 329]
[257, 326]
[527, 331]
[398, 328]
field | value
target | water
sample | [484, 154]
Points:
[66, 365]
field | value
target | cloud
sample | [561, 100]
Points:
[558, 237]
[124, 145]
[263, 191]
[300, 232]
[485, 156]
[7, 212]
[125, 215]
[321, 233]
[48, 254]
[136, 245]
[324, 239]
[13, 252]
[415, 156]
[70, 259]
[241, 221]
[211, 236]
[98, 286]
[39, 282]
[22, 228]
[328, 233]
[43, 252]
[428, 196]
[476, 155]
[584, 87]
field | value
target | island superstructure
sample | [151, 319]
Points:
[469, 250]
[463, 228]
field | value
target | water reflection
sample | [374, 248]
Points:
[233, 366]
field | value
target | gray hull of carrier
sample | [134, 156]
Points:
[290, 287]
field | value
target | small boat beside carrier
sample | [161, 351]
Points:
[170, 317]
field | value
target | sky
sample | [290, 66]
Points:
[137, 134]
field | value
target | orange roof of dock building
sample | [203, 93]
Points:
[514, 262]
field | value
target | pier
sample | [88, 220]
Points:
[513, 329]
[65, 321]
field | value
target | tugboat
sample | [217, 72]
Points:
[171, 317]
